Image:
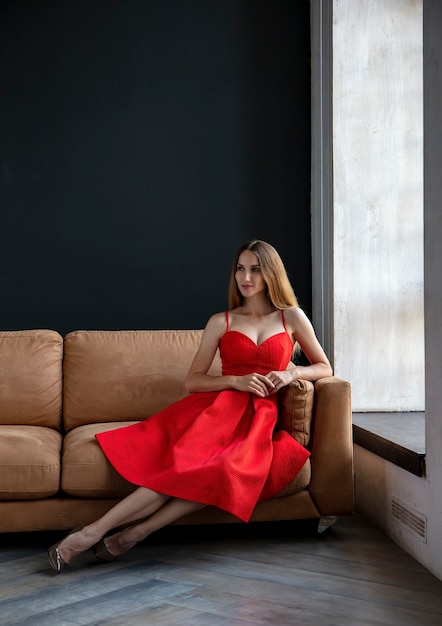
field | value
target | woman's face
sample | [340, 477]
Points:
[248, 274]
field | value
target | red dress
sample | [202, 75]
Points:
[217, 448]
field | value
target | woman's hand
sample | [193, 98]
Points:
[257, 384]
[281, 379]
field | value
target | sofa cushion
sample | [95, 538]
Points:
[86, 473]
[300, 482]
[29, 462]
[112, 376]
[31, 378]
[295, 409]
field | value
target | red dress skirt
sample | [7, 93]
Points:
[216, 448]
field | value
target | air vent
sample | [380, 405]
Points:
[410, 518]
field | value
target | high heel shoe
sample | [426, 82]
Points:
[56, 561]
[102, 553]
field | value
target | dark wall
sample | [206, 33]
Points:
[141, 142]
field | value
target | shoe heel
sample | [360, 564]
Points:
[56, 561]
[102, 553]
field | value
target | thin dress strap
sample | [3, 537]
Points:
[227, 321]
[283, 320]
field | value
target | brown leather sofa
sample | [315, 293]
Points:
[56, 393]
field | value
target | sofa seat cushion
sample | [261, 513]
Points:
[86, 473]
[29, 462]
[300, 482]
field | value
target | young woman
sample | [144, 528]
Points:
[216, 446]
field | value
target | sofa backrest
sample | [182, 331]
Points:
[125, 375]
[31, 378]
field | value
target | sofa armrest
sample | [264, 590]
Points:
[331, 485]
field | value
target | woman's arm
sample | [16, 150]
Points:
[197, 378]
[303, 332]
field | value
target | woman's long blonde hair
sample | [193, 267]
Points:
[279, 290]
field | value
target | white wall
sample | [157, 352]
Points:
[377, 48]
[378, 202]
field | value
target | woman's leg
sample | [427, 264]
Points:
[175, 508]
[138, 505]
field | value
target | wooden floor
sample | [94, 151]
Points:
[235, 576]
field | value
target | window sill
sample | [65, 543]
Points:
[396, 437]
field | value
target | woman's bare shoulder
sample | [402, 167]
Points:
[216, 322]
[239, 310]
[294, 316]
